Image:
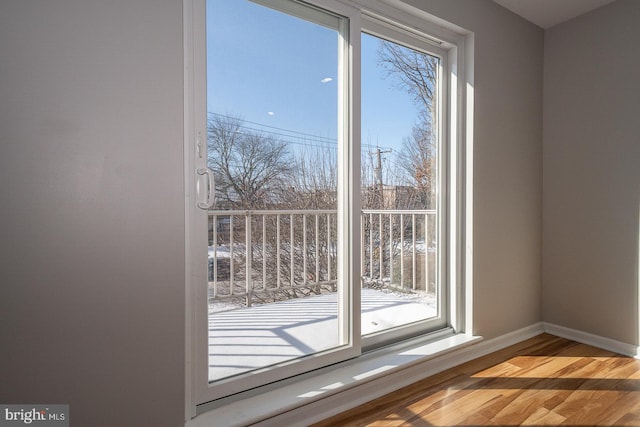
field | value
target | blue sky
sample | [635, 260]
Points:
[266, 71]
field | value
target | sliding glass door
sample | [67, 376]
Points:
[402, 289]
[277, 298]
[318, 226]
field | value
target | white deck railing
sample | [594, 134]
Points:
[268, 255]
[399, 248]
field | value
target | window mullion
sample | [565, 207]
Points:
[349, 179]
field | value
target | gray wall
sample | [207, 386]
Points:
[92, 287]
[92, 295]
[592, 172]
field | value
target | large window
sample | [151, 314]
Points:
[402, 205]
[323, 159]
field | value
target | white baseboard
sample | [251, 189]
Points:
[593, 340]
[489, 346]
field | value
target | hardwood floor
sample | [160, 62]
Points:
[542, 381]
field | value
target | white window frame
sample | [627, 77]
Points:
[383, 28]
[456, 46]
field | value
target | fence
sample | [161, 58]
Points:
[268, 255]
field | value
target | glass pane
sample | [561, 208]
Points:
[399, 185]
[272, 145]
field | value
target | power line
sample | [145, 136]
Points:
[313, 140]
[277, 128]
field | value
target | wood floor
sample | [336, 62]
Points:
[542, 381]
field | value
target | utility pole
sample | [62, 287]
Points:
[378, 173]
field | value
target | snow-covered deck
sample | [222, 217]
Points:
[245, 339]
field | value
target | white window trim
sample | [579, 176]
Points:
[459, 46]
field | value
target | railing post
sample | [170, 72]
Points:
[371, 246]
[363, 253]
[426, 253]
[413, 252]
[291, 256]
[278, 251]
[328, 247]
[264, 252]
[231, 256]
[401, 251]
[248, 257]
[304, 249]
[391, 249]
[317, 252]
[214, 263]
[381, 248]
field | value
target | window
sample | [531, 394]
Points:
[322, 187]
[402, 288]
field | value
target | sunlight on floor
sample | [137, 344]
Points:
[545, 380]
[534, 391]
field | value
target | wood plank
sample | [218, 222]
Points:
[545, 380]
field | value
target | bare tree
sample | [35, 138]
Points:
[315, 183]
[417, 159]
[417, 74]
[252, 170]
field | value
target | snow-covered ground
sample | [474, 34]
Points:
[248, 338]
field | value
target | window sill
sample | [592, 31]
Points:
[355, 381]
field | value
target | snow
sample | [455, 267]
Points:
[245, 339]
[221, 251]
